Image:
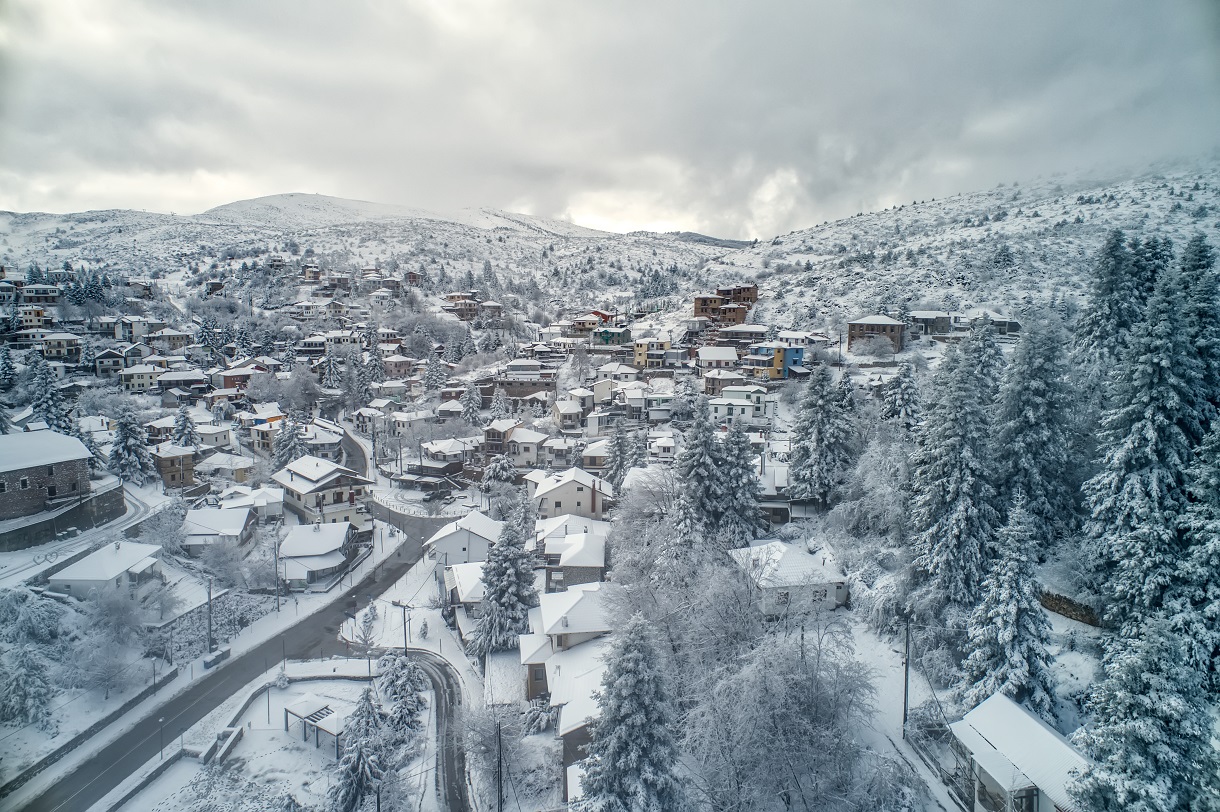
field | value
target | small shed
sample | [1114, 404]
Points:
[792, 578]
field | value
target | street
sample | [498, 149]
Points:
[314, 637]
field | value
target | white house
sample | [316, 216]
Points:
[207, 526]
[790, 578]
[1017, 761]
[464, 540]
[122, 565]
[266, 502]
[314, 554]
[574, 491]
[707, 358]
[321, 490]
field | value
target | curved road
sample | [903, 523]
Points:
[315, 636]
[450, 757]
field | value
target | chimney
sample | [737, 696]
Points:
[116, 545]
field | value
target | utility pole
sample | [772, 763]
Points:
[499, 771]
[406, 630]
[906, 678]
[209, 616]
[276, 550]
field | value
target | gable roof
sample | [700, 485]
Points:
[306, 540]
[577, 475]
[20, 450]
[473, 522]
[109, 562]
[579, 609]
[225, 521]
[776, 564]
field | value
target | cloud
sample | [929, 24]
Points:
[733, 119]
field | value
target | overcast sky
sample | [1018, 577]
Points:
[746, 119]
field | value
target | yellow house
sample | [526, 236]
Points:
[649, 353]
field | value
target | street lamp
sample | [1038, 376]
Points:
[161, 734]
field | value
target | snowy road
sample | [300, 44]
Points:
[450, 757]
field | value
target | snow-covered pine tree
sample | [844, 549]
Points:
[822, 439]
[88, 356]
[900, 398]
[436, 373]
[374, 368]
[26, 689]
[639, 450]
[847, 394]
[185, 434]
[1148, 260]
[332, 370]
[1032, 433]
[472, 402]
[982, 351]
[1201, 283]
[700, 490]
[953, 502]
[1137, 500]
[8, 370]
[742, 519]
[289, 443]
[6, 420]
[500, 407]
[354, 385]
[360, 769]
[682, 407]
[1009, 631]
[632, 752]
[1112, 310]
[469, 347]
[500, 470]
[401, 684]
[508, 591]
[49, 403]
[617, 456]
[1150, 740]
[130, 459]
[1193, 600]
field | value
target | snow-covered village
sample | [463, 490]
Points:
[312, 503]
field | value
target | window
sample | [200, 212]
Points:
[580, 488]
[578, 504]
[782, 597]
[73, 486]
[558, 505]
[25, 483]
[50, 470]
[3, 487]
[539, 673]
[50, 491]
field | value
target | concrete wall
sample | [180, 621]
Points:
[93, 511]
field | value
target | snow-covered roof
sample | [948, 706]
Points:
[223, 521]
[245, 496]
[876, 319]
[574, 675]
[1019, 750]
[717, 354]
[578, 475]
[567, 406]
[313, 539]
[503, 425]
[466, 580]
[579, 550]
[580, 392]
[109, 562]
[20, 450]
[524, 435]
[313, 470]
[776, 564]
[474, 522]
[567, 524]
[579, 609]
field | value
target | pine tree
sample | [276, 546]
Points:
[8, 371]
[1032, 433]
[1009, 631]
[374, 368]
[1137, 500]
[49, 403]
[499, 470]
[500, 408]
[289, 356]
[1151, 736]
[468, 344]
[900, 398]
[355, 385]
[130, 459]
[954, 515]
[508, 590]
[436, 373]
[1201, 316]
[332, 370]
[289, 443]
[401, 684]
[360, 769]
[185, 434]
[618, 456]
[821, 440]
[472, 402]
[682, 407]
[982, 351]
[632, 752]
[1113, 307]
[26, 689]
[700, 490]
[88, 356]
[1149, 259]
[639, 450]
[6, 420]
[742, 520]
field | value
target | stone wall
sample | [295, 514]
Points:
[97, 509]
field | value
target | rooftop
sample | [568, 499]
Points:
[21, 450]
[109, 562]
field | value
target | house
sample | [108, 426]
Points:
[168, 339]
[650, 353]
[611, 336]
[322, 490]
[931, 322]
[568, 414]
[108, 362]
[175, 464]
[574, 491]
[496, 433]
[140, 378]
[204, 527]
[748, 403]
[877, 326]
[617, 372]
[266, 502]
[1016, 760]
[315, 555]
[464, 540]
[61, 347]
[464, 591]
[324, 439]
[573, 549]
[773, 360]
[788, 578]
[135, 329]
[707, 305]
[124, 565]
[738, 294]
[236, 467]
[709, 358]
[716, 380]
[40, 471]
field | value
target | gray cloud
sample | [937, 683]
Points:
[735, 119]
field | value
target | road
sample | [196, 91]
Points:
[450, 757]
[315, 636]
[48, 553]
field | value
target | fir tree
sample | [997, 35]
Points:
[1032, 433]
[954, 512]
[742, 519]
[469, 347]
[632, 752]
[401, 684]
[49, 403]
[436, 373]
[1136, 502]
[1113, 307]
[682, 407]
[289, 443]
[6, 420]
[1151, 736]
[1009, 631]
[982, 351]
[289, 356]
[499, 470]
[332, 370]
[499, 405]
[14, 317]
[618, 456]
[26, 689]
[508, 590]
[821, 440]
[88, 356]
[1201, 316]
[700, 490]
[130, 459]
[185, 434]
[472, 402]
[1149, 259]
[374, 368]
[900, 398]
[8, 371]
[638, 450]
[360, 769]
